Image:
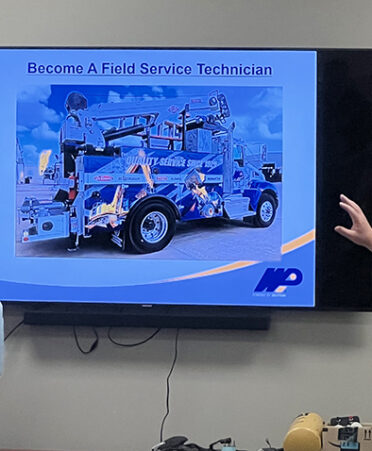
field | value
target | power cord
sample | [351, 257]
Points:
[168, 384]
[131, 345]
[13, 330]
[92, 347]
[96, 341]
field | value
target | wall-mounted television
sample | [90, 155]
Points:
[173, 177]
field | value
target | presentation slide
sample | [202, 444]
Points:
[158, 176]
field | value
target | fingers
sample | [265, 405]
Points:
[350, 202]
[346, 233]
[354, 214]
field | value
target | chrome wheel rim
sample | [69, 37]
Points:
[266, 211]
[154, 227]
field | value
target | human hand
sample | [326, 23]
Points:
[361, 231]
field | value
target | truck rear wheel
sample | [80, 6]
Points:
[152, 227]
[266, 210]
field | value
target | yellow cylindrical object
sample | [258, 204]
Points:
[304, 433]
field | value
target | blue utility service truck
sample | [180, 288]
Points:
[172, 171]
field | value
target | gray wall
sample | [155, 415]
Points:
[248, 385]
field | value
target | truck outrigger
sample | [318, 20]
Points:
[180, 171]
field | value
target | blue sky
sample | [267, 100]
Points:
[257, 112]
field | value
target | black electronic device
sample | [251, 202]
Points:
[180, 212]
[180, 443]
[344, 421]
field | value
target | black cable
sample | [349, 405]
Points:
[13, 330]
[93, 346]
[131, 345]
[168, 386]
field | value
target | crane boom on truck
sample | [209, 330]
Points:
[175, 170]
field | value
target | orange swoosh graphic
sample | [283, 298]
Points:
[288, 247]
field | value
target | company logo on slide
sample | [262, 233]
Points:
[278, 279]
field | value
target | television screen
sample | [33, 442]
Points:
[153, 176]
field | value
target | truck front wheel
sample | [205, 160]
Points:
[266, 210]
[152, 227]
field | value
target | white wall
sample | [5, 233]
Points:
[248, 385]
[323, 23]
